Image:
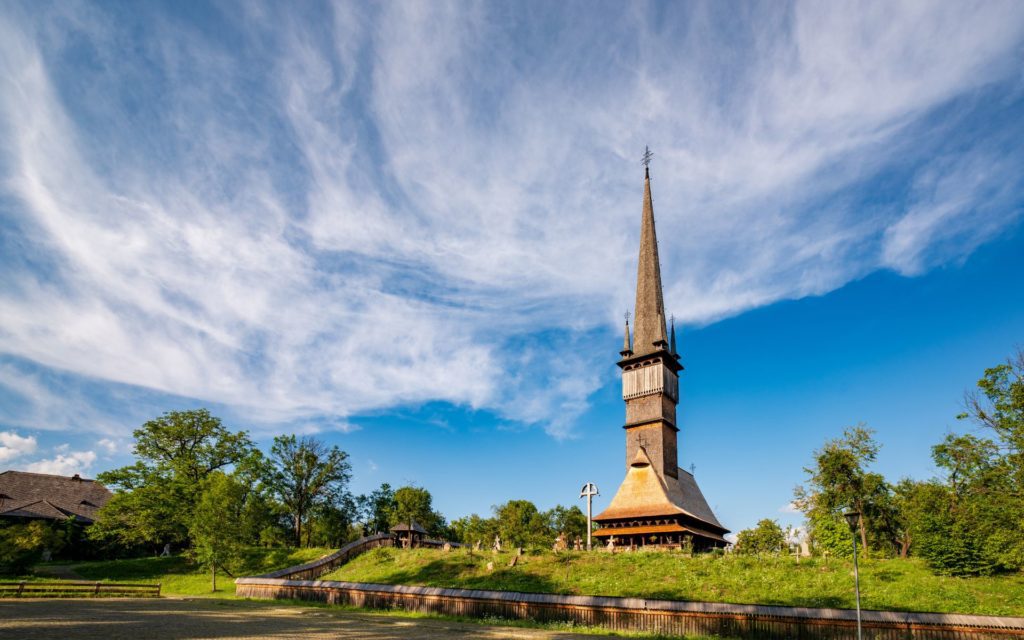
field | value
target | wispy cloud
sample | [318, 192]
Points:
[320, 215]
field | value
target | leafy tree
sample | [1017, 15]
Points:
[839, 480]
[521, 524]
[155, 497]
[190, 444]
[216, 525]
[568, 520]
[375, 509]
[333, 524]
[766, 537]
[305, 474]
[973, 522]
[472, 529]
[416, 503]
[153, 513]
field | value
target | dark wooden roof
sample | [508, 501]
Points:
[42, 496]
[404, 526]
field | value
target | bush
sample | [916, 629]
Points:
[22, 545]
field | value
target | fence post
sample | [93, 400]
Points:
[158, 589]
[21, 587]
[97, 591]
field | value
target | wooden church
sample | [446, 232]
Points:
[658, 504]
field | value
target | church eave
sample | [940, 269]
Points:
[663, 355]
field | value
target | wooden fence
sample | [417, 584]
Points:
[76, 589]
[666, 617]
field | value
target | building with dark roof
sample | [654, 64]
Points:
[39, 496]
[657, 504]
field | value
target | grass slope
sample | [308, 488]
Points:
[180, 577]
[892, 584]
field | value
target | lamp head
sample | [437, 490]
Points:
[852, 518]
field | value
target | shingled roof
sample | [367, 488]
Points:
[403, 527]
[40, 496]
[644, 493]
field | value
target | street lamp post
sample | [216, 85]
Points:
[589, 491]
[853, 518]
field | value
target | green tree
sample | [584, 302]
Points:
[216, 525]
[521, 524]
[375, 509]
[156, 495]
[472, 529]
[839, 480]
[766, 537]
[305, 474]
[334, 524]
[568, 520]
[416, 503]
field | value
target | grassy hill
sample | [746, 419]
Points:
[893, 584]
[177, 575]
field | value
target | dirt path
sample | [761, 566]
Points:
[85, 619]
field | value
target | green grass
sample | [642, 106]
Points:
[178, 576]
[890, 584]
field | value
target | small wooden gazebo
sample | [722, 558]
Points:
[409, 533]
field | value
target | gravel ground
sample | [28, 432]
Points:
[33, 619]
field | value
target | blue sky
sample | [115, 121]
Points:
[411, 228]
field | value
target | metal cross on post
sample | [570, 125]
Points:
[589, 491]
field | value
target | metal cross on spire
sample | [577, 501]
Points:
[648, 154]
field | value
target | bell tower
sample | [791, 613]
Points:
[650, 365]
[657, 503]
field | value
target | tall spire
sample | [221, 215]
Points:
[649, 317]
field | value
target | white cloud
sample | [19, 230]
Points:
[14, 446]
[109, 446]
[64, 464]
[789, 508]
[420, 207]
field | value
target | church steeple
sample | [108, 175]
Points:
[657, 502]
[649, 315]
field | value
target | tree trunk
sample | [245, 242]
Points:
[213, 567]
[905, 546]
[298, 529]
[863, 535]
